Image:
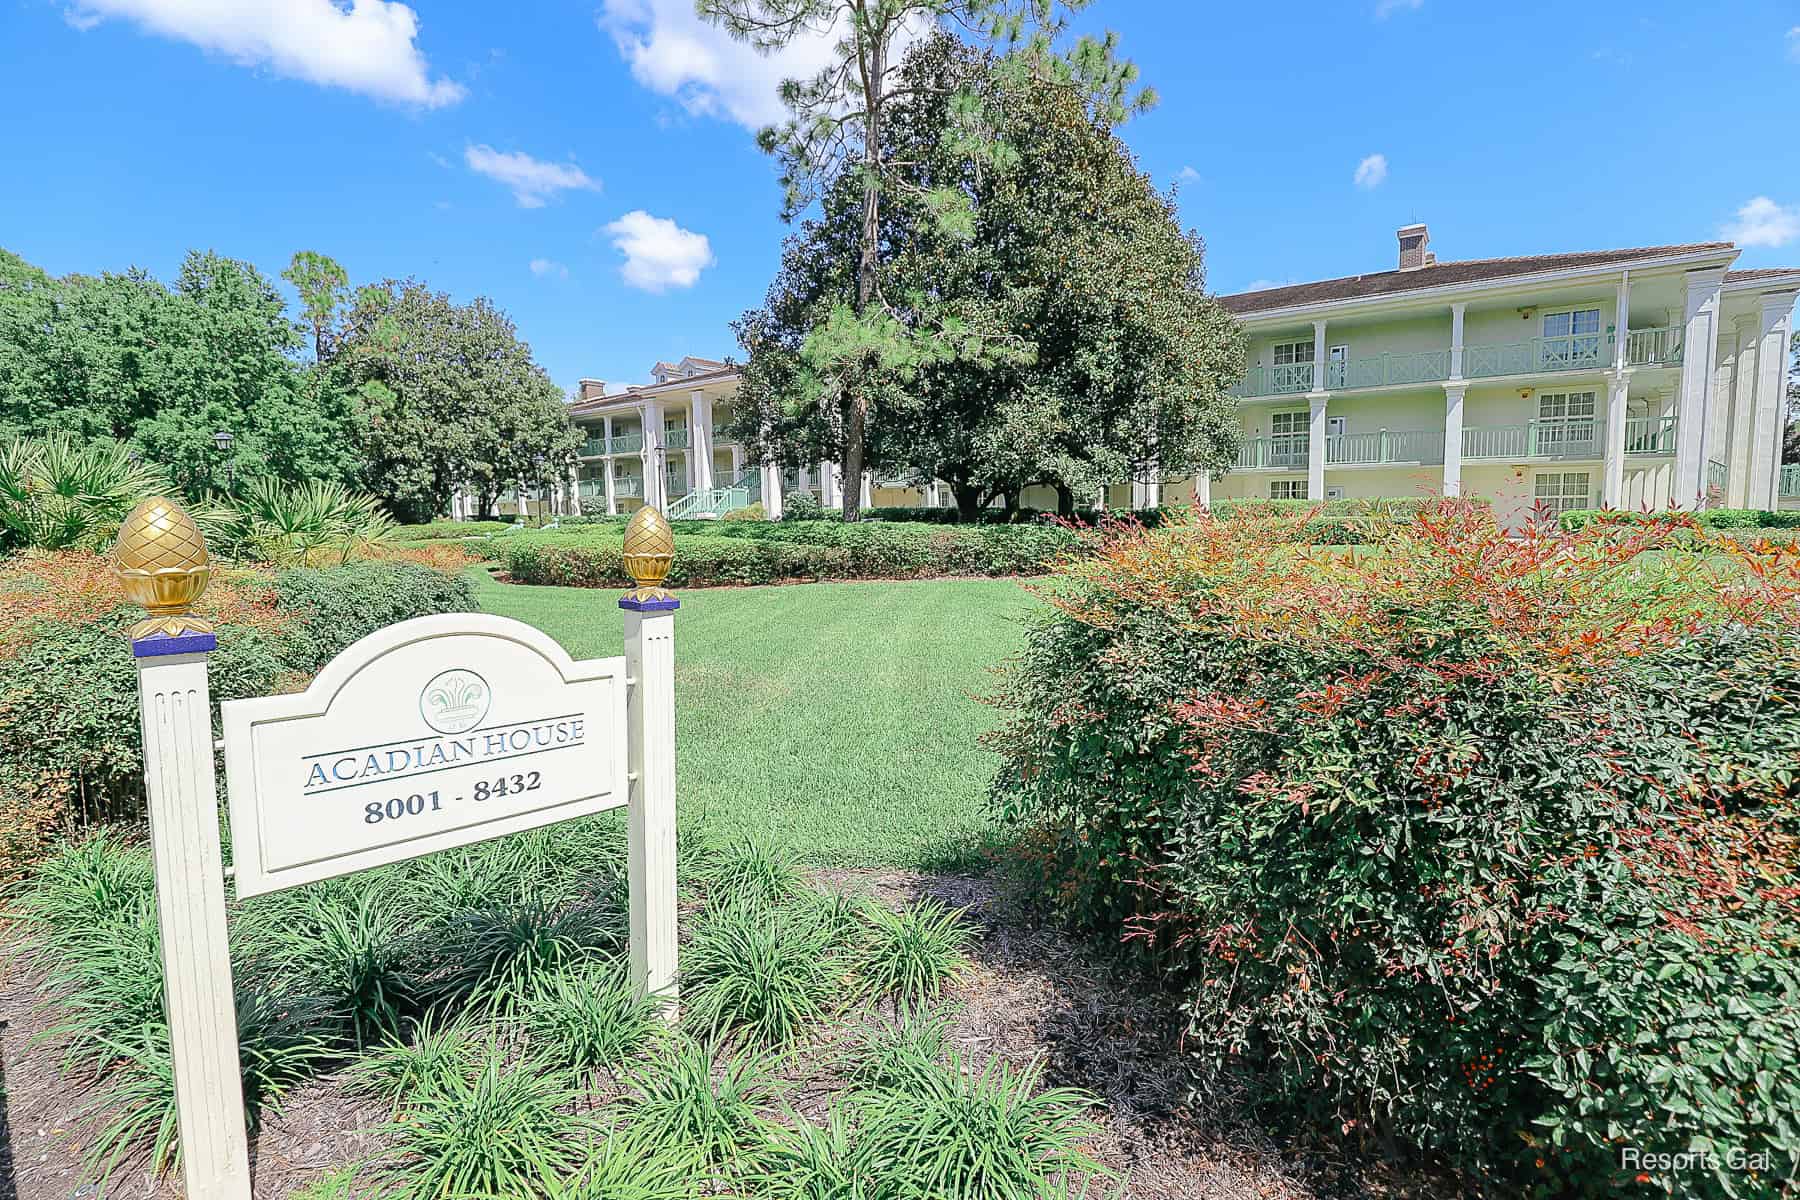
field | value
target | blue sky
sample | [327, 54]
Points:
[590, 165]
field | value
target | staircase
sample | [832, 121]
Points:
[713, 503]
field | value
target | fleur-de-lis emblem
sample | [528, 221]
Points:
[455, 700]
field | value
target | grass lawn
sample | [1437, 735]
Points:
[837, 721]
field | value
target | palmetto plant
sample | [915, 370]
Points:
[61, 494]
[314, 522]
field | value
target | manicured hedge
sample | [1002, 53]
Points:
[1463, 848]
[1709, 518]
[433, 530]
[70, 749]
[746, 552]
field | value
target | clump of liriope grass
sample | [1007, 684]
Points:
[910, 954]
[765, 971]
[494, 957]
[682, 1098]
[632, 1163]
[948, 1131]
[504, 1128]
[589, 1019]
[812, 1162]
[134, 1101]
[438, 1049]
[747, 870]
[350, 948]
[892, 1054]
[85, 885]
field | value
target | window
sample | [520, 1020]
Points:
[1566, 425]
[1334, 493]
[1571, 339]
[1288, 439]
[1337, 367]
[1287, 489]
[1559, 491]
[1293, 367]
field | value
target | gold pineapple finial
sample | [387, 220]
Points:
[649, 551]
[161, 562]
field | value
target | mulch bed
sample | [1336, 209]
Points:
[1034, 994]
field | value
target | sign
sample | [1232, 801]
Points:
[428, 734]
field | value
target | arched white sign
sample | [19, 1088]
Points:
[432, 733]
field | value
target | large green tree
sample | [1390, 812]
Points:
[449, 399]
[1055, 329]
[163, 369]
[837, 131]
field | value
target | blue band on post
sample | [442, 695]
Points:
[180, 643]
[668, 604]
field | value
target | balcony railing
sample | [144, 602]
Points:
[593, 447]
[627, 443]
[1385, 446]
[1578, 352]
[1282, 450]
[1790, 482]
[1555, 438]
[628, 485]
[675, 439]
[1284, 380]
[1649, 435]
[1653, 347]
[1389, 370]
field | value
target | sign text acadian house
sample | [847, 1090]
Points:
[428, 734]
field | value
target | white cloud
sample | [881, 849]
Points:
[1188, 175]
[1387, 8]
[1371, 171]
[659, 254]
[1793, 44]
[533, 181]
[675, 53]
[1762, 222]
[545, 268]
[367, 48]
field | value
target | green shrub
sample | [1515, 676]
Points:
[910, 954]
[438, 530]
[1709, 518]
[760, 552]
[750, 512]
[1480, 846]
[284, 523]
[339, 605]
[801, 506]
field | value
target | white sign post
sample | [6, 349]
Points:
[428, 734]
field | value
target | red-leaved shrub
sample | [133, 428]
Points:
[1476, 846]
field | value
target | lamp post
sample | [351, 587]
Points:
[222, 442]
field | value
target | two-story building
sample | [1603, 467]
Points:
[1648, 377]
[1635, 378]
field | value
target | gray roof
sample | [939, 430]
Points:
[1438, 274]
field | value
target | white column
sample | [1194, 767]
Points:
[650, 732]
[612, 491]
[1318, 382]
[1775, 318]
[1453, 426]
[1612, 476]
[1621, 320]
[655, 455]
[737, 461]
[866, 497]
[829, 497]
[1203, 489]
[1698, 361]
[1457, 311]
[1315, 450]
[190, 907]
[1739, 340]
[700, 442]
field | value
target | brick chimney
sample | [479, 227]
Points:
[1413, 239]
[591, 389]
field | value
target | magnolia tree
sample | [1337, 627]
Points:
[1044, 319]
[836, 132]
